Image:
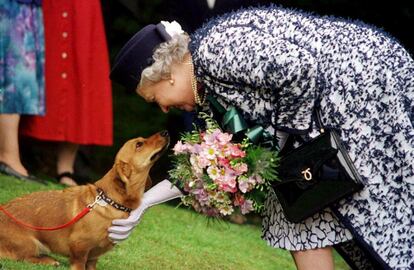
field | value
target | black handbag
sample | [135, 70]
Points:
[314, 175]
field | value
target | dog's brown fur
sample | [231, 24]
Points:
[86, 240]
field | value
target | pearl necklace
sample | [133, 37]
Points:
[197, 98]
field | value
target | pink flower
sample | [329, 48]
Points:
[194, 149]
[224, 138]
[179, 148]
[252, 180]
[259, 179]
[235, 151]
[211, 138]
[229, 174]
[203, 162]
[223, 162]
[238, 199]
[243, 186]
[222, 172]
[231, 182]
[228, 186]
[201, 196]
[246, 207]
[225, 151]
[209, 151]
[240, 168]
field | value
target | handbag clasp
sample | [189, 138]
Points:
[307, 174]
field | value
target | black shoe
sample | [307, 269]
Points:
[7, 170]
[68, 175]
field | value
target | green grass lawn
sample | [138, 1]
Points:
[174, 238]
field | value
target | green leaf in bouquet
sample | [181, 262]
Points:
[181, 171]
[192, 137]
[211, 124]
[235, 161]
[206, 179]
[262, 161]
[258, 197]
[187, 200]
[246, 143]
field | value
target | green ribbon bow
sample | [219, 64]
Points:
[233, 122]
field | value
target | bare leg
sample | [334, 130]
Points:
[314, 259]
[66, 161]
[9, 142]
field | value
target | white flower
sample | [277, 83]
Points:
[172, 28]
[226, 210]
[198, 171]
[213, 172]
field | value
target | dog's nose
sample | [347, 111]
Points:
[164, 133]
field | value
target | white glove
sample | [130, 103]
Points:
[161, 192]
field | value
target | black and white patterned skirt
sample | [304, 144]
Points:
[321, 230]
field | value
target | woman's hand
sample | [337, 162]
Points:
[162, 192]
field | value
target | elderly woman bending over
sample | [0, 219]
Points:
[276, 66]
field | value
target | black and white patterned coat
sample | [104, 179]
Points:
[277, 64]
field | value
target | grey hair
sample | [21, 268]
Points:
[166, 54]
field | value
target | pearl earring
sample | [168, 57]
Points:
[172, 81]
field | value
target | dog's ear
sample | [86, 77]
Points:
[148, 184]
[123, 170]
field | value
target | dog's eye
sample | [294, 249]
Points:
[139, 145]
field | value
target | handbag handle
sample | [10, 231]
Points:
[319, 120]
[294, 138]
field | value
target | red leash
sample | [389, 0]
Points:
[74, 220]
[100, 199]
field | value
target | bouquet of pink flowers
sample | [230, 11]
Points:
[221, 176]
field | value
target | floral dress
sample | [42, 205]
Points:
[21, 58]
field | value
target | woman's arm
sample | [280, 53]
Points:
[162, 192]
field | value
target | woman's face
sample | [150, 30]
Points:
[168, 95]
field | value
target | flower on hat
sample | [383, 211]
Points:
[172, 28]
